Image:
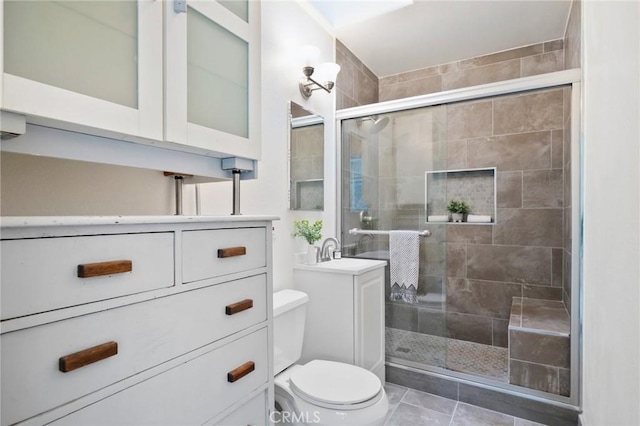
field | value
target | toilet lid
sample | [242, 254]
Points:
[335, 383]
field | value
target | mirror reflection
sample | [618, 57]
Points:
[306, 159]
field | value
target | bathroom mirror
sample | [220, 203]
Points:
[306, 159]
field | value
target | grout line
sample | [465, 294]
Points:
[454, 412]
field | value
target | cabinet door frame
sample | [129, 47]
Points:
[61, 108]
[177, 128]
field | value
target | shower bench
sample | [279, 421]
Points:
[539, 345]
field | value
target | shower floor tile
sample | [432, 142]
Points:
[457, 355]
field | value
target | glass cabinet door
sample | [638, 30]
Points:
[212, 70]
[85, 63]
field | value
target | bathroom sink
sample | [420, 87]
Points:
[349, 266]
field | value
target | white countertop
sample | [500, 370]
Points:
[346, 265]
[48, 221]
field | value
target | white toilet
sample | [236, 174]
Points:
[319, 392]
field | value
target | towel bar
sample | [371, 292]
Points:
[356, 231]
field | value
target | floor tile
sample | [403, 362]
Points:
[406, 414]
[470, 415]
[395, 392]
[432, 402]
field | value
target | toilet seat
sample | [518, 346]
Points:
[336, 385]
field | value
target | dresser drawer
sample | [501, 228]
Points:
[44, 274]
[213, 253]
[190, 394]
[146, 334]
[252, 413]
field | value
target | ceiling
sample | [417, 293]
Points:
[432, 32]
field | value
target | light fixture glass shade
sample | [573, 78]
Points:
[327, 71]
[309, 55]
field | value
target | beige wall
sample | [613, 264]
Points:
[41, 186]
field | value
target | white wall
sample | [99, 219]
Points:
[285, 28]
[611, 111]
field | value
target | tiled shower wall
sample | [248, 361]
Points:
[355, 85]
[478, 269]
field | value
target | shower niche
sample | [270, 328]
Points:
[475, 187]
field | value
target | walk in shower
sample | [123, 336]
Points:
[495, 297]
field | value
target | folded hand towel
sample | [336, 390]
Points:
[404, 248]
[477, 218]
[438, 218]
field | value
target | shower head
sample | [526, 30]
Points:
[378, 123]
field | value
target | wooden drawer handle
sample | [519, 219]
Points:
[231, 251]
[239, 372]
[88, 270]
[87, 356]
[240, 306]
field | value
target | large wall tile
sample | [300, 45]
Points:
[432, 322]
[542, 292]
[475, 234]
[456, 155]
[481, 75]
[557, 148]
[505, 55]
[410, 88]
[556, 267]
[522, 151]
[509, 187]
[530, 265]
[402, 316]
[456, 260]
[470, 327]
[528, 113]
[500, 333]
[541, 64]
[529, 227]
[539, 348]
[469, 120]
[486, 298]
[534, 376]
[542, 188]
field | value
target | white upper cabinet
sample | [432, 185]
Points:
[174, 74]
[90, 66]
[212, 69]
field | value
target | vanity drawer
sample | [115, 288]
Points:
[214, 253]
[190, 394]
[146, 334]
[51, 273]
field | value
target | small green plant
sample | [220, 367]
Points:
[456, 206]
[304, 229]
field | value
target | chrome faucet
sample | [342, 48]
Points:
[325, 254]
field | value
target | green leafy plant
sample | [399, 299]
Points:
[456, 206]
[309, 232]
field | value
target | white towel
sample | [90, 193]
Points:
[478, 218]
[404, 248]
[438, 218]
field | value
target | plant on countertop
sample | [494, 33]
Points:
[304, 229]
[459, 207]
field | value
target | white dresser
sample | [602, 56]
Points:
[136, 320]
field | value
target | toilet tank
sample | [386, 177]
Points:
[289, 308]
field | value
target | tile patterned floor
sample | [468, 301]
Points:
[408, 407]
[452, 354]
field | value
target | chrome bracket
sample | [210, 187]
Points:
[180, 6]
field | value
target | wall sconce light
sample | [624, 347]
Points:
[326, 72]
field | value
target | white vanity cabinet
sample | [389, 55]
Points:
[183, 75]
[345, 313]
[108, 320]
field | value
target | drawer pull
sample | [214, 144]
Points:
[88, 356]
[89, 270]
[240, 306]
[231, 252]
[239, 372]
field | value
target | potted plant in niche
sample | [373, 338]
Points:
[311, 233]
[457, 209]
